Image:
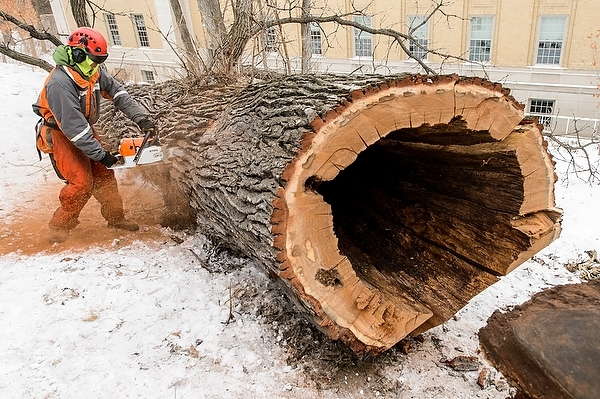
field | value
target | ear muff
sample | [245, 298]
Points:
[78, 55]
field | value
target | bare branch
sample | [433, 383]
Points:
[305, 37]
[590, 171]
[425, 20]
[398, 37]
[25, 58]
[96, 8]
[32, 30]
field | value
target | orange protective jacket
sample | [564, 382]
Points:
[72, 104]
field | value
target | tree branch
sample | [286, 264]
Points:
[25, 58]
[590, 170]
[32, 30]
[398, 37]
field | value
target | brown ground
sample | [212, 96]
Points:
[328, 365]
[25, 231]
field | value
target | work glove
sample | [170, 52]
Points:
[109, 159]
[146, 124]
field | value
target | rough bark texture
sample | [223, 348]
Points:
[186, 38]
[383, 204]
[78, 10]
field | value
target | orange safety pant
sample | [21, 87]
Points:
[84, 178]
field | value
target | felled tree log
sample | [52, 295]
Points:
[382, 204]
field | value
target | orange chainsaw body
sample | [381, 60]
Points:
[134, 152]
[129, 146]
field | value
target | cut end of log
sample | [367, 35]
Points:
[407, 202]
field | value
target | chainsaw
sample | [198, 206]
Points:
[142, 150]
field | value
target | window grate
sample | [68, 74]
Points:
[113, 29]
[148, 76]
[550, 41]
[315, 39]
[140, 28]
[480, 43]
[363, 41]
[419, 47]
[542, 109]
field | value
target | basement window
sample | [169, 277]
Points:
[148, 77]
[543, 109]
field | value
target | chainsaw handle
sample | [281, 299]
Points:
[120, 161]
[149, 133]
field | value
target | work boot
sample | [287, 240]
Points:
[124, 224]
[58, 235]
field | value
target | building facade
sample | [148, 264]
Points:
[545, 51]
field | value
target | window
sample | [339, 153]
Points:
[315, 38]
[480, 43]
[542, 109]
[552, 31]
[421, 34]
[363, 44]
[113, 29]
[148, 77]
[271, 40]
[140, 28]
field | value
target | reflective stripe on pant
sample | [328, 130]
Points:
[84, 178]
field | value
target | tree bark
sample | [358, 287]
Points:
[79, 14]
[45, 65]
[193, 63]
[184, 32]
[305, 36]
[239, 34]
[382, 204]
[212, 17]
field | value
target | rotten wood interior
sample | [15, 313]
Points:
[417, 206]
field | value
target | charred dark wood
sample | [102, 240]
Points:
[383, 204]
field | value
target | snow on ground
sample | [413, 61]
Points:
[162, 314]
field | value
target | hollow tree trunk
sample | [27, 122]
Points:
[383, 204]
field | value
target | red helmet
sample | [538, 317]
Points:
[92, 41]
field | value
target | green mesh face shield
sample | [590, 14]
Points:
[88, 67]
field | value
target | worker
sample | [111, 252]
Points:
[69, 105]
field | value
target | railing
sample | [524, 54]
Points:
[586, 127]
